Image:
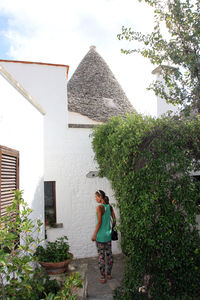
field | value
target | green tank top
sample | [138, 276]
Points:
[104, 233]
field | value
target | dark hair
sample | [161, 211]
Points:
[106, 199]
[101, 193]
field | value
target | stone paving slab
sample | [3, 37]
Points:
[95, 289]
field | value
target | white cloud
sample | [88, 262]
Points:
[61, 32]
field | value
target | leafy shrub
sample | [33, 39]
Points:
[50, 286]
[19, 277]
[18, 236]
[149, 164]
[40, 285]
[54, 251]
[41, 279]
[72, 283]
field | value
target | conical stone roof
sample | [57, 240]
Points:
[93, 91]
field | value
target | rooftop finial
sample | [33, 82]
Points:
[93, 47]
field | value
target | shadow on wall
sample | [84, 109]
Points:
[37, 206]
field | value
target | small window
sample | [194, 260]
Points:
[9, 177]
[50, 202]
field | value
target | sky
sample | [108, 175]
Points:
[62, 31]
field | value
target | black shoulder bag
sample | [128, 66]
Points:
[114, 233]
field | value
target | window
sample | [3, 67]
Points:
[9, 176]
[50, 202]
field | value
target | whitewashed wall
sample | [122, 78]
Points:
[77, 208]
[76, 118]
[68, 156]
[162, 107]
[21, 128]
[47, 84]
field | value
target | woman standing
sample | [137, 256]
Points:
[102, 234]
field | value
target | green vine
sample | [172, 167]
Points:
[149, 163]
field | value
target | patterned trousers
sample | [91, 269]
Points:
[103, 248]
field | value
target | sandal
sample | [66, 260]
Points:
[109, 277]
[102, 280]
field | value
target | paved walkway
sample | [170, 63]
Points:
[95, 289]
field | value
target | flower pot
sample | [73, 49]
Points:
[54, 268]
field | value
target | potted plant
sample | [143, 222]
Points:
[55, 256]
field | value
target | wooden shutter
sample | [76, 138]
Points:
[9, 176]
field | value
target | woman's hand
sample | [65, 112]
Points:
[94, 237]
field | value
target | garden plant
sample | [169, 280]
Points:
[18, 236]
[20, 277]
[56, 251]
[150, 164]
[72, 284]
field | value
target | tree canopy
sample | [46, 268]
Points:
[177, 51]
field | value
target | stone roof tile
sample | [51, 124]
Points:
[93, 90]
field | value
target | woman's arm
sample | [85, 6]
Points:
[99, 218]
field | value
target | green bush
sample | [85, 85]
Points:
[72, 284]
[57, 251]
[149, 163]
[41, 279]
[41, 285]
[19, 277]
[18, 236]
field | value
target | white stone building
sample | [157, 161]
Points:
[57, 163]
[21, 146]
[162, 107]
[70, 172]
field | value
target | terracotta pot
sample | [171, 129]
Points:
[54, 268]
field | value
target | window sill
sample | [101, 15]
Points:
[57, 225]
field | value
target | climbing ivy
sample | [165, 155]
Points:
[149, 163]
